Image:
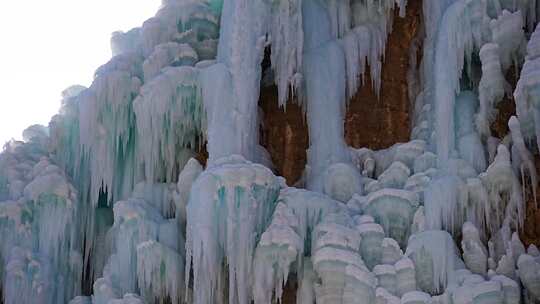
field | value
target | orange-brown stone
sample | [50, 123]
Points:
[378, 123]
[284, 134]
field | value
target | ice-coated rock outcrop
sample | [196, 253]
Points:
[152, 186]
[242, 196]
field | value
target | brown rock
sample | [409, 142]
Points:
[378, 123]
[284, 134]
[370, 121]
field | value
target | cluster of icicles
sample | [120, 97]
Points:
[109, 206]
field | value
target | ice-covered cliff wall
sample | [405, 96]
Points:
[109, 205]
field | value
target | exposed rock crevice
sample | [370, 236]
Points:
[379, 122]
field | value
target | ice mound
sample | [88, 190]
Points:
[338, 264]
[526, 92]
[394, 210]
[243, 195]
[436, 259]
[475, 254]
[529, 272]
[279, 247]
[342, 181]
[38, 222]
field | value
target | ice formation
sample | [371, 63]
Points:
[115, 202]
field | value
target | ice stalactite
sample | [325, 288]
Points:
[227, 213]
[522, 158]
[445, 200]
[504, 192]
[187, 177]
[98, 135]
[146, 253]
[436, 259]
[107, 129]
[40, 253]
[327, 145]
[459, 33]
[171, 119]
[64, 132]
[287, 43]
[372, 23]
[424, 122]
[280, 246]
[526, 93]
[160, 272]
[287, 240]
[32, 276]
[240, 53]
[491, 87]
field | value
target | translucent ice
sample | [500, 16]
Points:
[242, 196]
[491, 87]
[475, 254]
[529, 273]
[394, 210]
[170, 117]
[160, 272]
[436, 259]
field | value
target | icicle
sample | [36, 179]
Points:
[478, 208]
[324, 80]
[160, 272]
[436, 259]
[170, 122]
[107, 128]
[41, 239]
[522, 159]
[504, 190]
[229, 208]
[445, 202]
[233, 125]
[279, 247]
[160, 196]
[31, 279]
[287, 42]
[491, 88]
[460, 31]
[187, 177]
[526, 93]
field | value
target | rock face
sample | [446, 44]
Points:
[531, 231]
[371, 121]
[379, 122]
[499, 128]
[284, 134]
